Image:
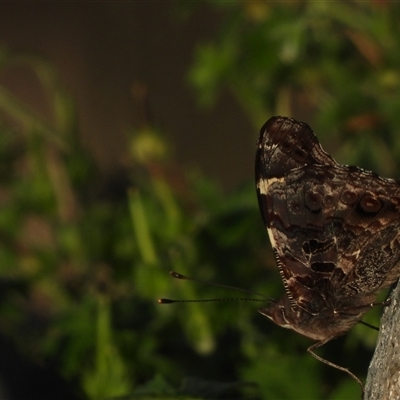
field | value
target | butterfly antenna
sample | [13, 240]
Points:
[177, 275]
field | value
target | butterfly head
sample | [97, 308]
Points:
[282, 313]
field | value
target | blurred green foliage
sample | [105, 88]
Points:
[81, 266]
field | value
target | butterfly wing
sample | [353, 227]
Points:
[333, 228]
[291, 169]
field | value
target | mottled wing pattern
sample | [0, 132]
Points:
[334, 229]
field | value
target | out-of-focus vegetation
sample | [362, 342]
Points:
[81, 267]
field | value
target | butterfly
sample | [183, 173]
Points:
[334, 230]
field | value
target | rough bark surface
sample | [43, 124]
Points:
[383, 380]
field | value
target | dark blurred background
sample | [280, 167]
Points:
[101, 49]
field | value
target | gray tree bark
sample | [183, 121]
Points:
[383, 379]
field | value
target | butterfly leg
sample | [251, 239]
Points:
[331, 364]
[369, 325]
[387, 302]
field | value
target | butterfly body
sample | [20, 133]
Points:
[334, 230]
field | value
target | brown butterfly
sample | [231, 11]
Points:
[334, 230]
